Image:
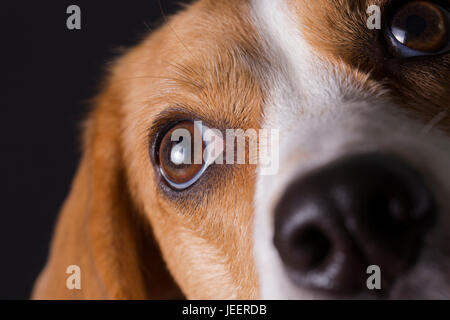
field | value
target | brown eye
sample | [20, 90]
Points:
[420, 26]
[180, 154]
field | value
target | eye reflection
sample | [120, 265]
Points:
[179, 154]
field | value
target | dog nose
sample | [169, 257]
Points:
[369, 209]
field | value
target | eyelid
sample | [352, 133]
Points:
[409, 53]
[169, 117]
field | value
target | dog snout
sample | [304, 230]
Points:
[332, 223]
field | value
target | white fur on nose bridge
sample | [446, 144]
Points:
[321, 114]
[298, 77]
[299, 86]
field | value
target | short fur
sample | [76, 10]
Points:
[311, 74]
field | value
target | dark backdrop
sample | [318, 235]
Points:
[49, 74]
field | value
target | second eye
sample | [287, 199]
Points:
[420, 28]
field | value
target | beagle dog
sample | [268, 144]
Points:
[363, 181]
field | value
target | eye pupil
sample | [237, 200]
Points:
[421, 26]
[415, 25]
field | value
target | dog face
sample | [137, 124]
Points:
[362, 178]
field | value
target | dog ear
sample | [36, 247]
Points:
[100, 230]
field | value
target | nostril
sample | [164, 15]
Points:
[310, 247]
[335, 221]
[313, 248]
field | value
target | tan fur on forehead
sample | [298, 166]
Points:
[336, 28]
[207, 67]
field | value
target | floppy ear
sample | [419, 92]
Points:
[100, 230]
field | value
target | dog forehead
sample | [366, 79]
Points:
[203, 60]
[337, 28]
[299, 75]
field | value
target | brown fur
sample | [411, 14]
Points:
[203, 63]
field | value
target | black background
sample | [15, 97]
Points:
[49, 74]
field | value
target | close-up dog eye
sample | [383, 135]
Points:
[420, 28]
[185, 151]
[226, 150]
[180, 156]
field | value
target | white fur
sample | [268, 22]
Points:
[322, 115]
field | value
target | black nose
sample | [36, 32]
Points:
[358, 211]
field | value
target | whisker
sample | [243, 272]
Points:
[147, 26]
[432, 123]
[147, 77]
[176, 80]
[173, 30]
